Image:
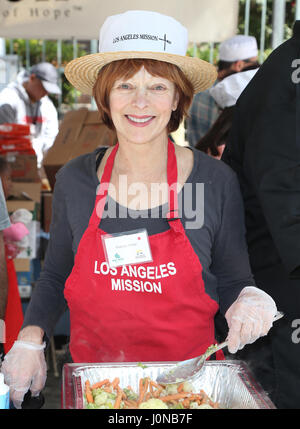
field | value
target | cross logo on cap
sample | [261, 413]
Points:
[166, 41]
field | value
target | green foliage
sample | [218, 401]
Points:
[256, 8]
[50, 47]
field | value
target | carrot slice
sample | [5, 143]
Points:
[118, 400]
[169, 398]
[88, 392]
[180, 388]
[143, 387]
[100, 384]
[115, 382]
[186, 403]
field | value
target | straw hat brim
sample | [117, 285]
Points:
[82, 72]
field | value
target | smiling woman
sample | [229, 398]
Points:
[162, 308]
[124, 70]
[141, 106]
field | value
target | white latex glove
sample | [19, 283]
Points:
[24, 367]
[249, 317]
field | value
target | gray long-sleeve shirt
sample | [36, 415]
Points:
[211, 210]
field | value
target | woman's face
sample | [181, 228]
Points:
[141, 107]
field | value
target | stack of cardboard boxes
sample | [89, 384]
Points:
[80, 132]
[16, 146]
[26, 194]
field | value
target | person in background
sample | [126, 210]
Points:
[263, 149]
[235, 54]
[225, 94]
[214, 141]
[26, 101]
[158, 301]
[4, 223]
[13, 314]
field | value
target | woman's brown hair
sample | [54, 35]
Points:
[128, 68]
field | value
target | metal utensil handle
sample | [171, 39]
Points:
[277, 316]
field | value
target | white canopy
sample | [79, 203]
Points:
[206, 20]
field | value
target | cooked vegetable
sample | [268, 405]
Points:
[205, 406]
[130, 394]
[153, 404]
[101, 398]
[188, 387]
[88, 392]
[101, 383]
[172, 389]
[141, 365]
[109, 395]
[118, 400]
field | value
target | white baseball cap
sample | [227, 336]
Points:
[237, 48]
[141, 34]
[47, 74]
[227, 92]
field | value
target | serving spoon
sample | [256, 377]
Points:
[189, 369]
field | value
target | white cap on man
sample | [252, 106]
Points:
[48, 75]
[238, 48]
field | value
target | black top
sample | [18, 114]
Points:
[264, 151]
[211, 210]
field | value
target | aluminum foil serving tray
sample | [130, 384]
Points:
[230, 383]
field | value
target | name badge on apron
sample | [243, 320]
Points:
[127, 248]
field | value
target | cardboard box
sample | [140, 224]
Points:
[29, 191]
[32, 250]
[13, 205]
[26, 196]
[80, 132]
[22, 265]
[23, 167]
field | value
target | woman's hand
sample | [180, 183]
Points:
[24, 367]
[249, 317]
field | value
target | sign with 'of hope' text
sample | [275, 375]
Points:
[206, 20]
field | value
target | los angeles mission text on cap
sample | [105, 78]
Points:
[139, 36]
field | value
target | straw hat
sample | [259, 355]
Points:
[141, 34]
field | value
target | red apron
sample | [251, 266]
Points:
[14, 312]
[159, 310]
